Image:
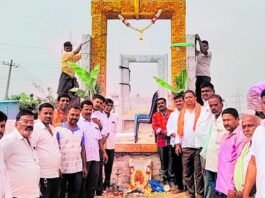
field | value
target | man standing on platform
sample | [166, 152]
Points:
[202, 72]
[175, 162]
[67, 79]
[159, 124]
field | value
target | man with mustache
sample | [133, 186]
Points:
[73, 156]
[216, 134]
[20, 159]
[93, 142]
[249, 124]
[229, 151]
[43, 139]
[159, 124]
[256, 167]
[60, 113]
[202, 73]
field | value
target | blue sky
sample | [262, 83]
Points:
[32, 34]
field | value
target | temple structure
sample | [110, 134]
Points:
[103, 10]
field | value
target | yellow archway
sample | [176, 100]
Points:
[102, 10]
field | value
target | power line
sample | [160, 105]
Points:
[11, 65]
[237, 101]
[28, 46]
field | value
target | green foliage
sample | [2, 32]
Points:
[165, 85]
[181, 82]
[89, 79]
[26, 101]
[182, 44]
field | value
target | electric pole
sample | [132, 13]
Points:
[10, 64]
[238, 101]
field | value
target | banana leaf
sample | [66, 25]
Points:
[182, 81]
[88, 78]
[80, 92]
[81, 73]
[164, 84]
[94, 75]
[181, 44]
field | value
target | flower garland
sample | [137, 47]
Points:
[153, 20]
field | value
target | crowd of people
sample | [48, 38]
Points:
[205, 149]
[208, 150]
[63, 152]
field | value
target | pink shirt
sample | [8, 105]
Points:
[229, 151]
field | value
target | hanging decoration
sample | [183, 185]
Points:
[182, 45]
[141, 30]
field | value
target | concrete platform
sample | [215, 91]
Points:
[146, 142]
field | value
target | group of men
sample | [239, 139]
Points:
[62, 152]
[209, 146]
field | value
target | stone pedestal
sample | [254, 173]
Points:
[121, 162]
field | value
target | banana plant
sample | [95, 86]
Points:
[181, 82]
[89, 79]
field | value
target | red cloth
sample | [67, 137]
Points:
[159, 120]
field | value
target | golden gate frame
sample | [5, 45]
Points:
[102, 10]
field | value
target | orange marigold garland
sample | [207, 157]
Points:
[141, 30]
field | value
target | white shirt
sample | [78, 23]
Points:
[4, 183]
[47, 149]
[258, 150]
[203, 64]
[188, 139]
[217, 134]
[112, 129]
[92, 136]
[103, 120]
[70, 144]
[203, 124]
[172, 126]
[22, 165]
